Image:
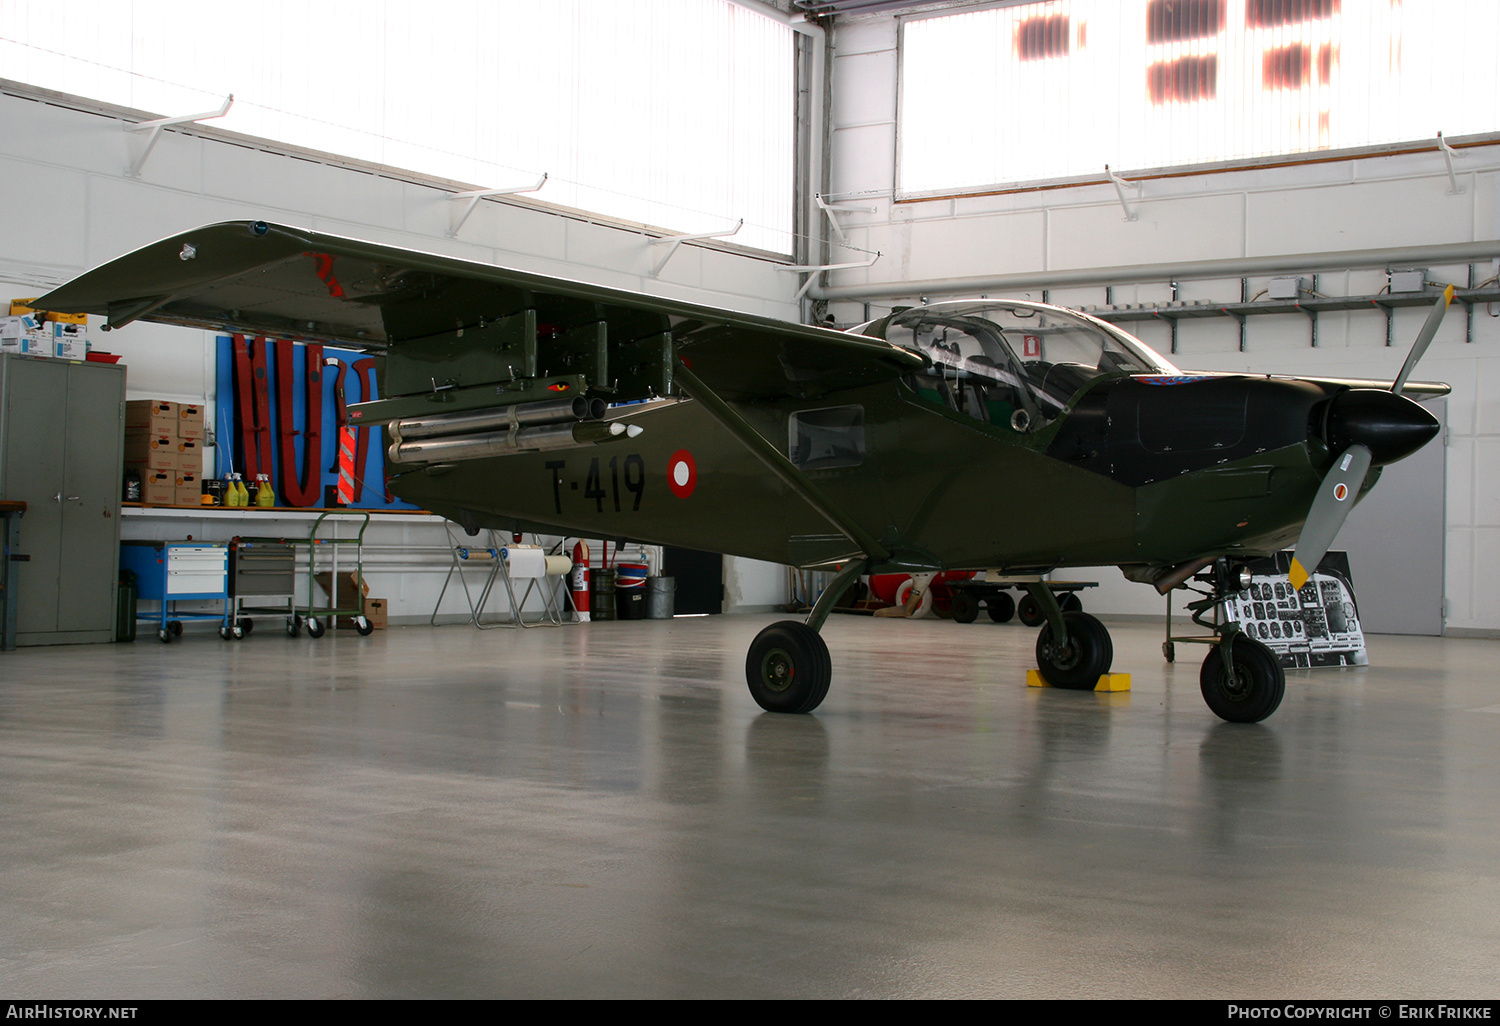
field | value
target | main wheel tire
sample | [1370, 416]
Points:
[965, 607]
[1259, 682]
[314, 627]
[1078, 663]
[1001, 607]
[364, 626]
[1030, 611]
[788, 668]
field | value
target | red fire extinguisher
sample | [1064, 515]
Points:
[579, 584]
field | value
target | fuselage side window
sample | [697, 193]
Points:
[827, 439]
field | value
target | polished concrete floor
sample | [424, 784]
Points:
[602, 811]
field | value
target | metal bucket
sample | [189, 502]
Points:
[661, 597]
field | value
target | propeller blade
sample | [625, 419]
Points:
[1330, 507]
[1424, 339]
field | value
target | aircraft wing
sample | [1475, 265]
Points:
[255, 277]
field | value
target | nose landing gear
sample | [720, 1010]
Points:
[1241, 679]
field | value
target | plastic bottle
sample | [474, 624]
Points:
[231, 493]
[239, 484]
[265, 498]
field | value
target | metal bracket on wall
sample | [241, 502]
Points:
[832, 209]
[817, 269]
[155, 127]
[673, 241]
[456, 219]
[1454, 189]
[1120, 185]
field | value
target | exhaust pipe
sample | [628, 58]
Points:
[539, 438]
[548, 411]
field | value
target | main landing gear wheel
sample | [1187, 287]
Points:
[788, 668]
[1030, 611]
[1078, 663]
[1001, 607]
[965, 607]
[1258, 686]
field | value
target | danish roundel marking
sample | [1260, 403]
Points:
[682, 473]
[1341, 491]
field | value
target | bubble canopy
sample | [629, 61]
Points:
[1013, 362]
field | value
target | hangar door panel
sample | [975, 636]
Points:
[1395, 540]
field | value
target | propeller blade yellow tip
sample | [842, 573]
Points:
[1297, 574]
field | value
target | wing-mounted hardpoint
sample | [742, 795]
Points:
[538, 373]
[478, 361]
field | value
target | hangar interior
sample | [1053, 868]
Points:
[599, 809]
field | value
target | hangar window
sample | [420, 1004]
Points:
[673, 113]
[827, 439]
[1156, 84]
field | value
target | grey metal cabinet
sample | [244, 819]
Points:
[62, 431]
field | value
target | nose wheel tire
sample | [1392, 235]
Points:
[788, 668]
[1257, 688]
[1079, 662]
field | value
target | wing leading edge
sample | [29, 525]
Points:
[455, 324]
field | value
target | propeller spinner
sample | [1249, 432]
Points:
[1372, 426]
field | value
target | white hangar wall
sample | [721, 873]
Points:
[1368, 203]
[69, 205]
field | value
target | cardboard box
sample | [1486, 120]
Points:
[375, 611]
[159, 487]
[348, 597]
[153, 451]
[189, 490]
[190, 421]
[190, 456]
[25, 335]
[155, 416]
[19, 307]
[69, 341]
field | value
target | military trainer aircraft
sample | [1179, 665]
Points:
[985, 434]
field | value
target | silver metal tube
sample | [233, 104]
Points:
[541, 437]
[548, 411]
[1232, 267]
